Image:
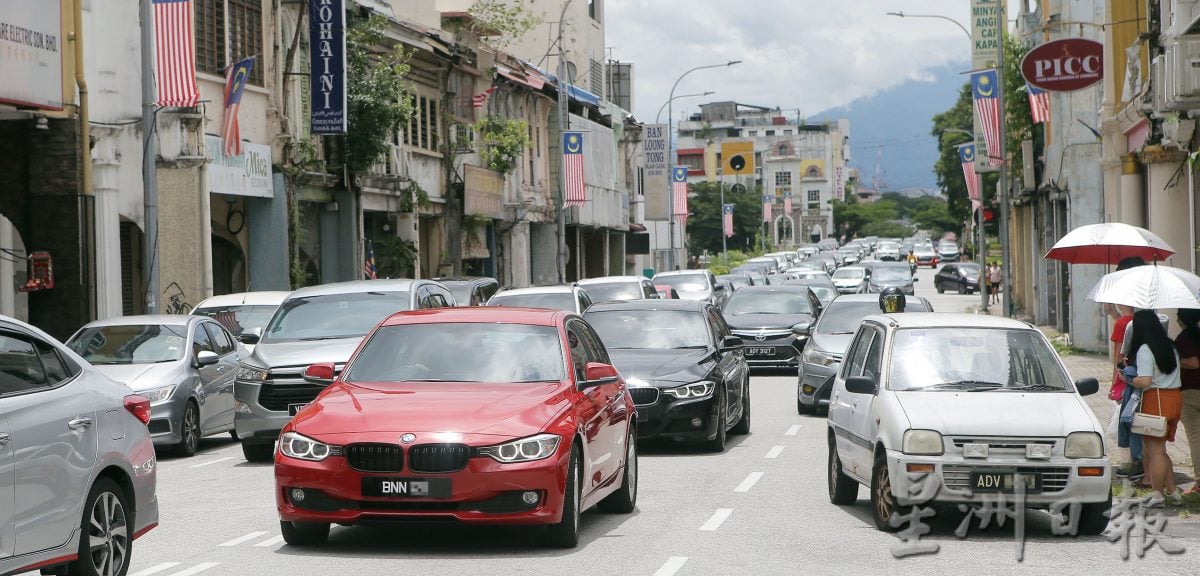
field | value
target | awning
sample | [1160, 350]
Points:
[576, 93]
[635, 227]
[520, 78]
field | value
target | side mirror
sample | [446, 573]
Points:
[597, 374]
[915, 279]
[251, 336]
[861, 385]
[802, 330]
[206, 358]
[731, 343]
[1087, 386]
[718, 287]
[319, 374]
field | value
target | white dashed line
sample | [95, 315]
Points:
[270, 542]
[156, 569]
[244, 539]
[672, 565]
[197, 569]
[795, 428]
[211, 462]
[749, 482]
[717, 519]
[774, 452]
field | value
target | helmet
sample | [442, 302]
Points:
[891, 300]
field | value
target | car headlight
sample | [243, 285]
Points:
[248, 373]
[690, 391]
[159, 394]
[302, 447]
[814, 356]
[1084, 445]
[923, 442]
[524, 450]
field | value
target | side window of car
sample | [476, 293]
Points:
[579, 354]
[57, 369]
[20, 366]
[874, 361]
[585, 301]
[201, 342]
[437, 300]
[858, 355]
[648, 290]
[595, 347]
[423, 298]
[222, 343]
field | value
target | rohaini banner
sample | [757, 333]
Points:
[327, 36]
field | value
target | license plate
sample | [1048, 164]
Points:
[293, 409]
[761, 351]
[377, 487]
[1004, 482]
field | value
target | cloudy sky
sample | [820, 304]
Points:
[810, 55]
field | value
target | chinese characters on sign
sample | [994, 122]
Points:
[327, 34]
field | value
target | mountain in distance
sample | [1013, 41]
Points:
[897, 122]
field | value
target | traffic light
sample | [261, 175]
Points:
[737, 158]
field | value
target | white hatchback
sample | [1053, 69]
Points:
[956, 408]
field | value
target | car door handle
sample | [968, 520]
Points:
[4, 439]
[80, 423]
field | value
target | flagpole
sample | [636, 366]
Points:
[724, 238]
[149, 168]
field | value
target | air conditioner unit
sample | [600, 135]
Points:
[1157, 99]
[1182, 73]
[1185, 16]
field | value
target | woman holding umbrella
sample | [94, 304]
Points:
[1157, 375]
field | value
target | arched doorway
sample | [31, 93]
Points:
[229, 267]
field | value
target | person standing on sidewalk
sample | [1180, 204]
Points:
[1129, 443]
[996, 278]
[1188, 346]
[1157, 375]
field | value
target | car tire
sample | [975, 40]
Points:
[801, 409]
[883, 500]
[565, 534]
[233, 434]
[940, 289]
[717, 444]
[108, 518]
[1093, 517]
[189, 431]
[304, 533]
[843, 490]
[624, 500]
[258, 452]
[743, 426]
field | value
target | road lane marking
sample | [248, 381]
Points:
[717, 519]
[793, 430]
[211, 462]
[749, 482]
[774, 452]
[197, 569]
[243, 539]
[270, 542]
[671, 566]
[156, 569]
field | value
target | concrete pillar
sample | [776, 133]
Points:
[408, 228]
[1167, 201]
[107, 185]
[1132, 193]
[517, 257]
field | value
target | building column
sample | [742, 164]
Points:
[1132, 193]
[1166, 200]
[107, 186]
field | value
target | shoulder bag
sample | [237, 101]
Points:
[1151, 425]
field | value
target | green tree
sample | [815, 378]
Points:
[704, 226]
[378, 99]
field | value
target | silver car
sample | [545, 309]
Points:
[183, 364]
[78, 481]
[244, 315]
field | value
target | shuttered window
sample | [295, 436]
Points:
[210, 35]
[246, 35]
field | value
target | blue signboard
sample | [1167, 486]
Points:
[327, 45]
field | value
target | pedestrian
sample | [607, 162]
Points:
[1188, 346]
[997, 279]
[1156, 374]
[1129, 443]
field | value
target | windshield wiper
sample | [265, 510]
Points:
[841, 333]
[968, 385]
[315, 338]
[1037, 387]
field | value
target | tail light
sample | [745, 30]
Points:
[139, 406]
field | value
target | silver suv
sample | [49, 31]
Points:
[314, 325]
[77, 484]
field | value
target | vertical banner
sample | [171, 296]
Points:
[727, 220]
[679, 187]
[768, 202]
[654, 180]
[327, 52]
[985, 44]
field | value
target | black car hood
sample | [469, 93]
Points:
[673, 366]
[757, 321]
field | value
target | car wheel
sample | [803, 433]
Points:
[189, 431]
[717, 444]
[258, 452]
[1093, 517]
[743, 425]
[304, 533]
[105, 537]
[624, 500]
[941, 289]
[233, 434]
[843, 489]
[565, 534]
[883, 501]
[801, 409]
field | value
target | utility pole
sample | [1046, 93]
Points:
[149, 169]
[563, 120]
[1005, 252]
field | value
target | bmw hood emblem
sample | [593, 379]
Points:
[408, 438]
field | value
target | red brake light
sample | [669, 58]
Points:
[139, 406]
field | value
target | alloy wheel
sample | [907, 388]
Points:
[884, 503]
[191, 428]
[576, 512]
[108, 535]
[631, 468]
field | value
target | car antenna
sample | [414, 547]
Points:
[248, 287]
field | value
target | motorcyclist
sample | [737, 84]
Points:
[891, 300]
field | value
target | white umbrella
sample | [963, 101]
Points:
[1109, 243]
[1149, 288]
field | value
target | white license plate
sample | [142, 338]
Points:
[293, 409]
[761, 351]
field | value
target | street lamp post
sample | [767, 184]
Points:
[937, 16]
[563, 115]
[671, 154]
[658, 117]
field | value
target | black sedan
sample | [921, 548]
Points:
[772, 321]
[684, 369]
[962, 277]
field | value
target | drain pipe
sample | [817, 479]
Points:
[85, 129]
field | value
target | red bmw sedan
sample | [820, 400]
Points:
[476, 415]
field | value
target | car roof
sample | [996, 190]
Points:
[359, 287]
[810, 281]
[948, 320]
[259, 298]
[556, 289]
[648, 305]
[163, 319]
[611, 279]
[681, 273]
[467, 280]
[479, 314]
[794, 288]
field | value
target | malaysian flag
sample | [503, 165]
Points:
[480, 100]
[966, 155]
[369, 270]
[574, 192]
[1039, 103]
[727, 220]
[787, 202]
[176, 61]
[768, 203]
[235, 84]
[679, 187]
[985, 91]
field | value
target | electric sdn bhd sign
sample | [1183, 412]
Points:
[1064, 65]
[327, 37]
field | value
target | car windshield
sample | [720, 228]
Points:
[737, 281]
[614, 291]
[467, 352]
[130, 344]
[763, 302]
[547, 300]
[650, 329]
[843, 317]
[824, 293]
[333, 316]
[969, 269]
[684, 282]
[460, 290]
[239, 319]
[849, 274]
[890, 274]
[974, 359]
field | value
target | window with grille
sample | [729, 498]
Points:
[210, 35]
[422, 131]
[228, 31]
[594, 9]
[814, 199]
[783, 178]
[597, 71]
[246, 36]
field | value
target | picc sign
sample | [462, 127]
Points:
[1064, 65]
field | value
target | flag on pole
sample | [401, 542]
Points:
[480, 99]
[768, 202]
[574, 192]
[679, 188]
[727, 220]
[787, 203]
[369, 271]
[1039, 103]
[966, 155]
[985, 92]
[235, 84]
[175, 59]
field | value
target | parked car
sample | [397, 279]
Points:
[619, 288]
[888, 274]
[947, 251]
[975, 405]
[773, 322]
[315, 324]
[533, 426]
[244, 315]
[184, 365]
[827, 343]
[666, 292]
[737, 280]
[773, 264]
[692, 284]
[962, 277]
[757, 275]
[78, 482]
[926, 256]
[470, 290]
[851, 279]
[568, 297]
[821, 286]
[685, 369]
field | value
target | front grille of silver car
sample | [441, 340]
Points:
[958, 477]
[1002, 444]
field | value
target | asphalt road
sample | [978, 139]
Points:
[760, 508]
